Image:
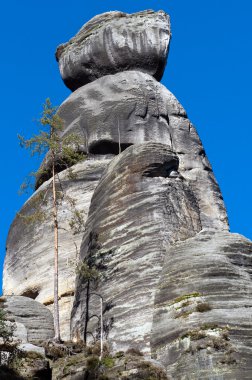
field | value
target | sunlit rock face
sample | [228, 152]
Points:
[29, 261]
[140, 204]
[113, 42]
[174, 282]
[202, 320]
[34, 322]
[131, 107]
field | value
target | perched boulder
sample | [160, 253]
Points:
[141, 204]
[114, 42]
[36, 318]
[202, 320]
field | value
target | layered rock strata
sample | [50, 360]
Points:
[202, 322]
[28, 268]
[131, 107]
[154, 243]
[140, 204]
[113, 42]
[34, 322]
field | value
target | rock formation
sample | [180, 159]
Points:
[174, 282]
[115, 42]
[202, 319]
[34, 321]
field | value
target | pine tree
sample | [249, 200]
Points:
[61, 153]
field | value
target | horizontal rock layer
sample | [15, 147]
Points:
[140, 204]
[113, 42]
[28, 267]
[34, 321]
[202, 322]
[128, 108]
[174, 283]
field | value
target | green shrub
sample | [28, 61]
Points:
[93, 363]
[108, 361]
[6, 330]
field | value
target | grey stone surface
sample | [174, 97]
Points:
[174, 282]
[140, 204]
[114, 42]
[28, 267]
[20, 332]
[36, 318]
[132, 108]
[28, 347]
[202, 323]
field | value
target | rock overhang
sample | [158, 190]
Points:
[114, 42]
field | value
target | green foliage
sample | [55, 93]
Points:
[62, 151]
[76, 223]
[196, 334]
[86, 272]
[186, 297]
[48, 138]
[6, 330]
[93, 363]
[108, 362]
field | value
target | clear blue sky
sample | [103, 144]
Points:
[208, 70]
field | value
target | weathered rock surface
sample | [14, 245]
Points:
[153, 241]
[31, 348]
[31, 316]
[121, 367]
[140, 204]
[31, 365]
[202, 324]
[114, 42]
[28, 268]
[132, 108]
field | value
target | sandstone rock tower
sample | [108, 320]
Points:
[174, 282]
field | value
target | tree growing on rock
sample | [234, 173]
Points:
[90, 270]
[62, 153]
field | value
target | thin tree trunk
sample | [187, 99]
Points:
[87, 311]
[119, 136]
[101, 305]
[56, 259]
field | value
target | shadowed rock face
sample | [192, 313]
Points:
[113, 42]
[202, 320]
[140, 205]
[33, 319]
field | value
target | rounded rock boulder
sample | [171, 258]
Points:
[113, 42]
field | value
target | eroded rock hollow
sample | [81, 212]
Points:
[174, 282]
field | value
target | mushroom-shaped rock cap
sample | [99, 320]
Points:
[113, 42]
